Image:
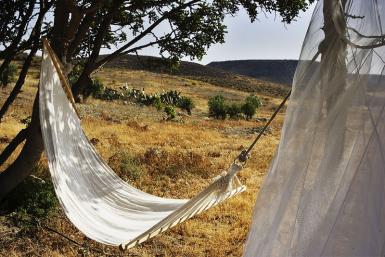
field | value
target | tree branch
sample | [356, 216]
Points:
[143, 34]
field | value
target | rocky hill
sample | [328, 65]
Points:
[278, 71]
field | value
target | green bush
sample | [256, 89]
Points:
[186, 103]
[254, 100]
[126, 166]
[110, 94]
[158, 103]
[32, 200]
[217, 107]
[170, 111]
[74, 75]
[97, 88]
[8, 75]
[130, 167]
[234, 110]
[249, 108]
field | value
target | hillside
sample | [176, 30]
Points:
[212, 75]
[277, 71]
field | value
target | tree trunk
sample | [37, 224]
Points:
[19, 83]
[84, 79]
[29, 156]
[11, 147]
[333, 70]
[333, 56]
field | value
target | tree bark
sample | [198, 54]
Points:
[333, 56]
[11, 147]
[84, 79]
[29, 156]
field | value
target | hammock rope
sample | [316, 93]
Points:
[243, 156]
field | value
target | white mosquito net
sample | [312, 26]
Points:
[325, 192]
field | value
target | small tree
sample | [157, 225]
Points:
[217, 107]
[254, 100]
[187, 104]
[249, 108]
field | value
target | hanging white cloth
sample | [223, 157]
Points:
[94, 198]
[325, 192]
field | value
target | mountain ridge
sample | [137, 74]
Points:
[277, 71]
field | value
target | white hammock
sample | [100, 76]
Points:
[325, 191]
[100, 204]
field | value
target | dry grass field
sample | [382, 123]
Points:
[167, 158]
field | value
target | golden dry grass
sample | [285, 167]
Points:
[207, 146]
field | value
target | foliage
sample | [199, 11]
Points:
[74, 75]
[32, 200]
[127, 166]
[170, 111]
[249, 108]
[8, 75]
[186, 103]
[254, 100]
[165, 101]
[158, 103]
[234, 110]
[110, 94]
[97, 89]
[217, 107]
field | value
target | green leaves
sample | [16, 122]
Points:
[219, 109]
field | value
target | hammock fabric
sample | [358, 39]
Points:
[100, 204]
[325, 192]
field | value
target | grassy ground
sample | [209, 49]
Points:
[165, 158]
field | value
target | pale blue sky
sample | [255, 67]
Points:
[267, 38]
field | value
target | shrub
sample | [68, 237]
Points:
[249, 108]
[234, 110]
[186, 103]
[97, 88]
[254, 100]
[158, 103]
[170, 111]
[130, 166]
[32, 200]
[74, 75]
[8, 75]
[110, 94]
[217, 107]
[127, 166]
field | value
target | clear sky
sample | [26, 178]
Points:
[267, 38]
